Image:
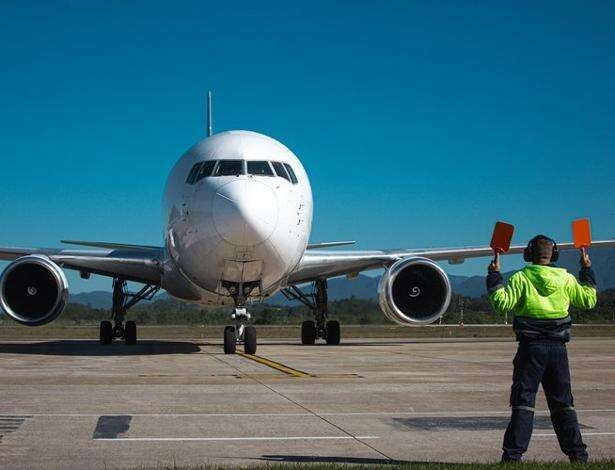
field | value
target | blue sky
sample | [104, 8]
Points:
[420, 123]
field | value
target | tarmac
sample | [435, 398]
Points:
[76, 404]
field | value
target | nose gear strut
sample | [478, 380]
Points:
[240, 333]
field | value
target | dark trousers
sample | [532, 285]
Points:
[543, 362]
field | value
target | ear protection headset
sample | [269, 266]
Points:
[528, 253]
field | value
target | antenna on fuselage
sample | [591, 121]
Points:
[210, 123]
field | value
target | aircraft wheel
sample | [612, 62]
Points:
[130, 333]
[230, 340]
[249, 340]
[106, 332]
[333, 332]
[308, 332]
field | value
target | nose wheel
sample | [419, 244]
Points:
[240, 334]
[230, 340]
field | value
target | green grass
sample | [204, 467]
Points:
[603, 465]
[67, 331]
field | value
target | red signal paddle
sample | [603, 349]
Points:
[581, 234]
[501, 238]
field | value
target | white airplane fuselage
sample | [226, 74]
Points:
[242, 229]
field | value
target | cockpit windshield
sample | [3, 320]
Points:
[291, 173]
[206, 169]
[229, 168]
[193, 172]
[259, 167]
[209, 168]
[280, 171]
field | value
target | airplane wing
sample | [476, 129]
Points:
[316, 246]
[325, 264]
[133, 263]
[110, 246]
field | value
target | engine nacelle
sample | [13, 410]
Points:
[33, 290]
[414, 291]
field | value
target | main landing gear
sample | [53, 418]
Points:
[317, 302]
[122, 301]
[240, 333]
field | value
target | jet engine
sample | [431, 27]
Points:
[414, 291]
[33, 290]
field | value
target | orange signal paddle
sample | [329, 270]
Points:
[501, 238]
[581, 234]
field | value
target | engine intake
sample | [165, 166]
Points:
[414, 291]
[33, 290]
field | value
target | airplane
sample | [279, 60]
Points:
[237, 215]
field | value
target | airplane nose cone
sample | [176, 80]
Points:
[245, 212]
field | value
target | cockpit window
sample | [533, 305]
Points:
[259, 167]
[193, 173]
[291, 173]
[280, 171]
[229, 168]
[205, 170]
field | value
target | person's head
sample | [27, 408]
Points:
[541, 250]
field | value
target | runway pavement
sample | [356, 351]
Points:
[76, 404]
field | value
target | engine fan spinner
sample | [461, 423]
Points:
[414, 291]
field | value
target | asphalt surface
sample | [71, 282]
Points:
[75, 404]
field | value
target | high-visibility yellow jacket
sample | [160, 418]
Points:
[539, 296]
[542, 292]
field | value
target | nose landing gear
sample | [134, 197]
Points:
[240, 333]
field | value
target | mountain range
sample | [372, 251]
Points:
[366, 287]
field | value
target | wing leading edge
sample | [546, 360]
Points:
[133, 264]
[326, 264]
[110, 246]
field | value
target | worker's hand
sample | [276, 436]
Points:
[495, 264]
[585, 261]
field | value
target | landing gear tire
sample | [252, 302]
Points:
[230, 340]
[333, 332]
[249, 340]
[106, 332]
[130, 333]
[308, 332]
[122, 301]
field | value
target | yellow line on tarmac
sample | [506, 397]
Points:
[276, 365]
